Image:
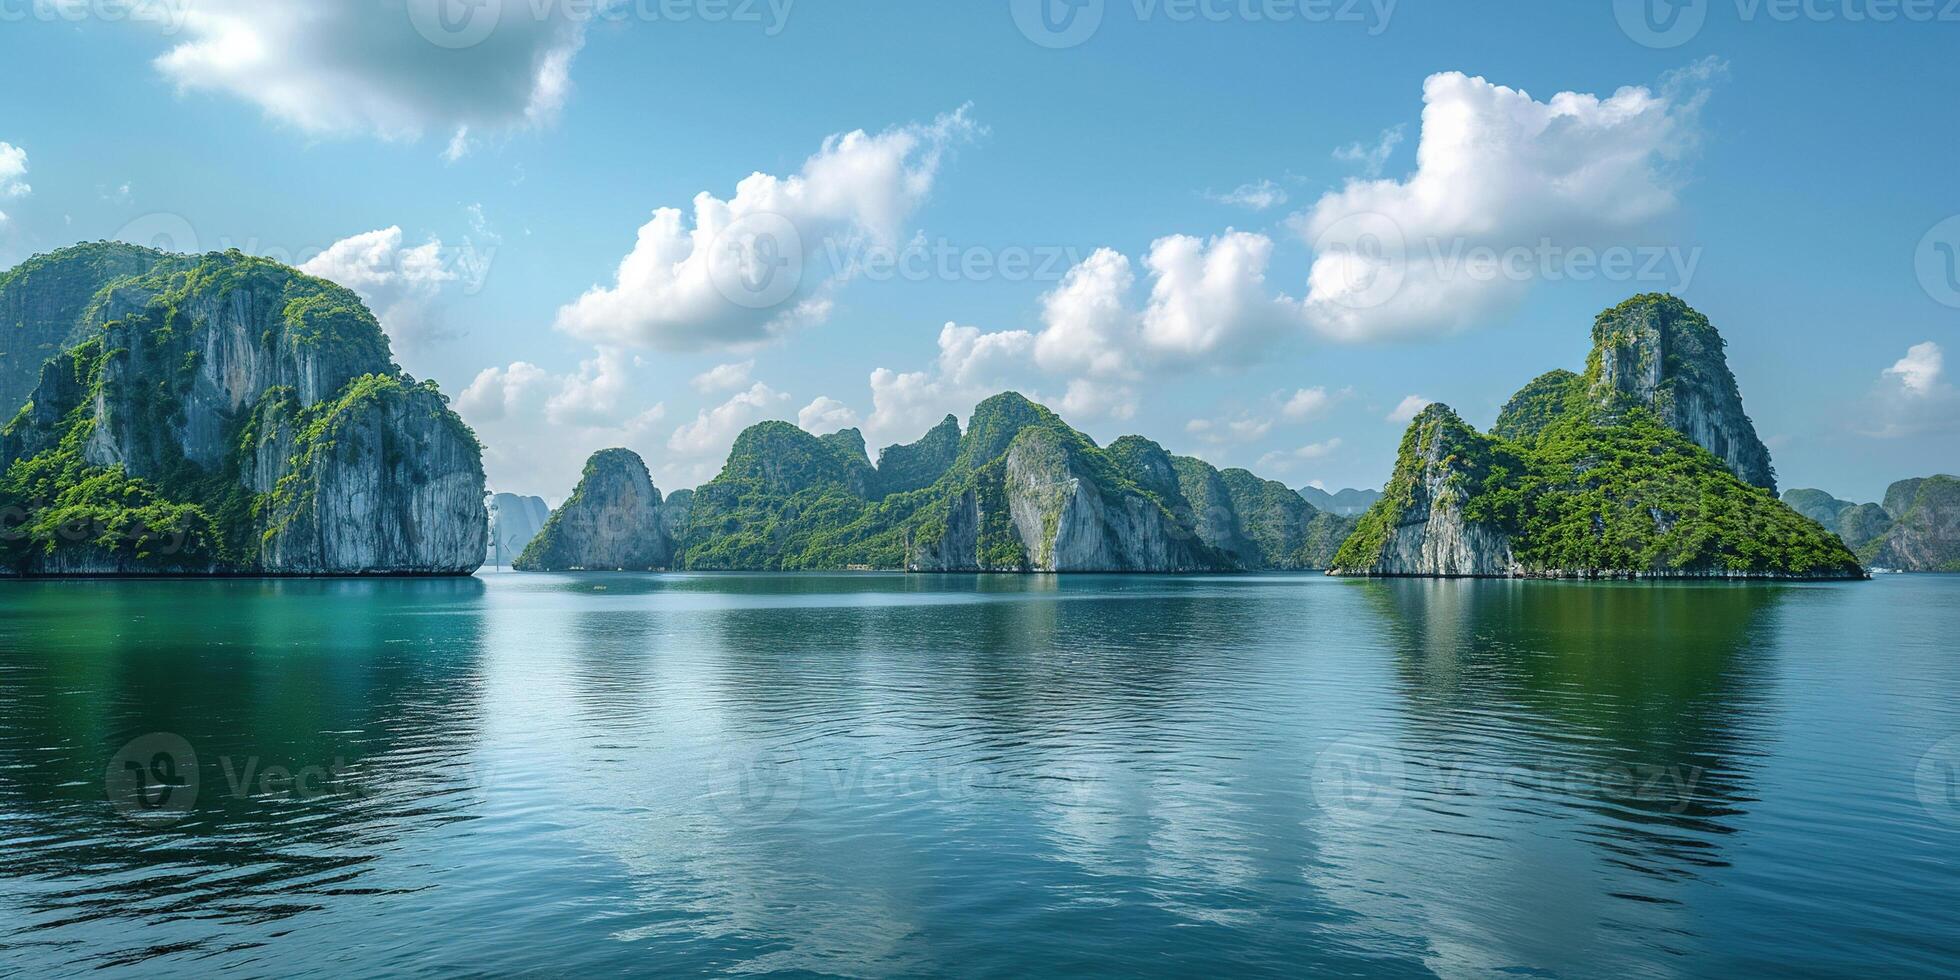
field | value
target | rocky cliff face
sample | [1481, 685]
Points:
[1018, 490]
[1214, 518]
[1654, 351]
[1427, 531]
[44, 304]
[1925, 531]
[611, 523]
[1069, 521]
[1917, 529]
[514, 521]
[1645, 466]
[228, 414]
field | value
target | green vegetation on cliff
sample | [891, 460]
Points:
[1600, 474]
[1917, 529]
[134, 454]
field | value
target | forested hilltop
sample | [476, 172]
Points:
[219, 414]
[1017, 490]
[1645, 465]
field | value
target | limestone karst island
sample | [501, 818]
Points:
[1133, 489]
[222, 414]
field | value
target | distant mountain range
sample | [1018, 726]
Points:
[514, 521]
[1017, 490]
[1346, 503]
[1916, 529]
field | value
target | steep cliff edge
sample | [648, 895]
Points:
[612, 522]
[229, 415]
[44, 306]
[1425, 523]
[1614, 473]
[1917, 529]
[1655, 352]
[1925, 531]
[1017, 490]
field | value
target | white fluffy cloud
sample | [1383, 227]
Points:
[13, 174]
[1284, 460]
[401, 284]
[1259, 195]
[748, 268]
[1208, 303]
[13, 171]
[1089, 398]
[1209, 299]
[1088, 328]
[713, 430]
[724, 377]
[538, 426]
[1310, 403]
[599, 395]
[1494, 168]
[1242, 429]
[1408, 408]
[1371, 159]
[340, 68]
[1918, 373]
[825, 414]
[971, 366]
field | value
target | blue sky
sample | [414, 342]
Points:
[1171, 227]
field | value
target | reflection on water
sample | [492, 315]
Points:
[881, 774]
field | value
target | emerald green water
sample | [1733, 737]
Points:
[1005, 776]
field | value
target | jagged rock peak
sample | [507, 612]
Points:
[232, 416]
[1655, 351]
[612, 522]
[904, 468]
[1420, 526]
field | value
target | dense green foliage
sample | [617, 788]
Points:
[127, 382]
[1588, 475]
[787, 500]
[1537, 405]
[902, 469]
[1600, 493]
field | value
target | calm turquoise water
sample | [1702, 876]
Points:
[874, 775]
